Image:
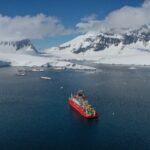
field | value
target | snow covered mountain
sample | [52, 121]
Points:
[102, 41]
[128, 47]
[105, 47]
[23, 53]
[19, 47]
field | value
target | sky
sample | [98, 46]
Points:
[52, 22]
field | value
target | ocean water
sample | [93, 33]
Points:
[35, 115]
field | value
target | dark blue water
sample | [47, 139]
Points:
[35, 115]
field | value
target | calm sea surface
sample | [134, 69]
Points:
[35, 115]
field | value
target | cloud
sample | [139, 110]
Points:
[33, 27]
[89, 18]
[146, 4]
[125, 17]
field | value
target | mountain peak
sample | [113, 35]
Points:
[23, 46]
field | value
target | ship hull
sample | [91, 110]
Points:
[80, 110]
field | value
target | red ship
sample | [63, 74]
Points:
[80, 104]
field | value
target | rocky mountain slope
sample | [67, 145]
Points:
[102, 41]
[103, 47]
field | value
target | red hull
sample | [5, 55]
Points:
[80, 110]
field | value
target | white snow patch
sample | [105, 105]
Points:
[136, 54]
[28, 60]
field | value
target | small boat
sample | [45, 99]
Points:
[41, 70]
[20, 74]
[80, 104]
[37, 69]
[132, 68]
[59, 68]
[46, 78]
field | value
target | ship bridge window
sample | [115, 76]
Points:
[81, 93]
